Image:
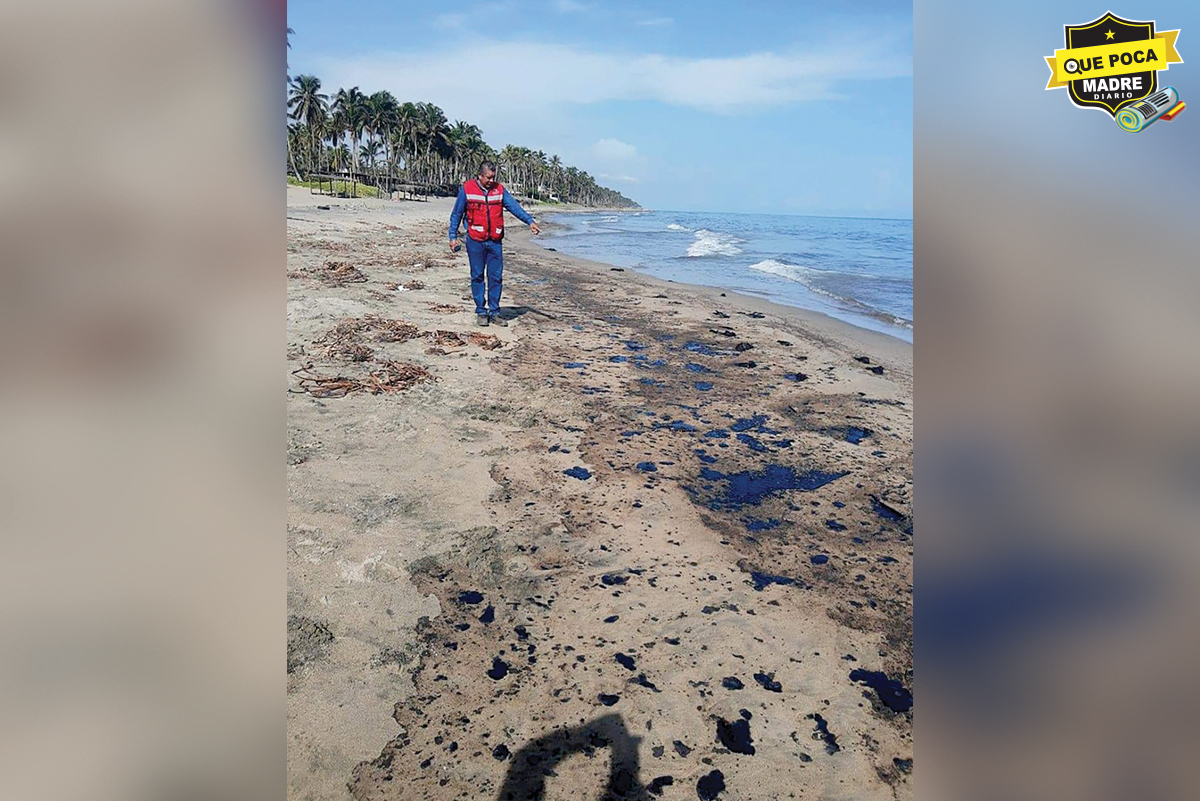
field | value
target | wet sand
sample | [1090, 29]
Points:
[657, 542]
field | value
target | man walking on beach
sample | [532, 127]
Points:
[483, 200]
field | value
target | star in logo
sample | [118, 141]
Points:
[1108, 34]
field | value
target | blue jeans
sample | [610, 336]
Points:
[486, 258]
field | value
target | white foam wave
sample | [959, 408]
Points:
[677, 227]
[792, 272]
[710, 243]
[803, 275]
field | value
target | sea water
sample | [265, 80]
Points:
[855, 269]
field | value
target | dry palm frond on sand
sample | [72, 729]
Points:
[337, 273]
[485, 341]
[389, 377]
[445, 338]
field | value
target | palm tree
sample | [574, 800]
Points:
[370, 151]
[306, 104]
[408, 126]
[350, 105]
[339, 159]
[382, 111]
[465, 140]
[432, 122]
[556, 176]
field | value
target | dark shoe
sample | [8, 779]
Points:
[481, 319]
[498, 320]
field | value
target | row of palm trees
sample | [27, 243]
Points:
[377, 140]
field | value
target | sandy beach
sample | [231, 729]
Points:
[649, 540]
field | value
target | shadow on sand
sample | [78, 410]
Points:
[533, 764]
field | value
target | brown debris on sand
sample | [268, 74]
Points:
[414, 284]
[445, 308]
[445, 338]
[344, 340]
[485, 341]
[397, 376]
[452, 339]
[333, 273]
[348, 351]
[391, 376]
[325, 386]
[390, 330]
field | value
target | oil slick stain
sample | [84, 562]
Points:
[471, 597]
[581, 473]
[891, 693]
[855, 435]
[735, 736]
[701, 348]
[886, 512]
[755, 423]
[767, 680]
[499, 669]
[710, 786]
[752, 443]
[749, 488]
[821, 732]
[762, 580]
[659, 782]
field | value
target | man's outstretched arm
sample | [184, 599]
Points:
[514, 208]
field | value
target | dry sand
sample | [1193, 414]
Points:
[472, 615]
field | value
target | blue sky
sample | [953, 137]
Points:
[786, 108]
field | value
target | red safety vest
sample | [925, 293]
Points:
[485, 211]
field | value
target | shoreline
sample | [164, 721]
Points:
[885, 328]
[637, 510]
[898, 350]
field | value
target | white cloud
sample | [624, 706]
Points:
[560, 74]
[618, 179]
[614, 150]
[657, 21]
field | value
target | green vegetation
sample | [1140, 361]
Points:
[374, 143]
[338, 188]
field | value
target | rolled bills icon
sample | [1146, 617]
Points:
[1163, 104]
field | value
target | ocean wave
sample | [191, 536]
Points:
[792, 272]
[677, 227]
[780, 268]
[809, 277]
[710, 243]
